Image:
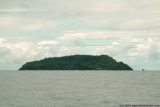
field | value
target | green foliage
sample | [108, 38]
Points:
[76, 62]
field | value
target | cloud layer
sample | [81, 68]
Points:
[125, 29]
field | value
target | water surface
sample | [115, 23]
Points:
[78, 88]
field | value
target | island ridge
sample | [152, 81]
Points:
[76, 62]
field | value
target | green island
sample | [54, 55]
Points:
[76, 62]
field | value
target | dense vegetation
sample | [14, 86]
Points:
[76, 62]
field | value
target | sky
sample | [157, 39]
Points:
[127, 30]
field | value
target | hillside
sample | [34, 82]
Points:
[76, 62]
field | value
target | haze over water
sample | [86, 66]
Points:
[78, 88]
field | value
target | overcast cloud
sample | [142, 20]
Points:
[127, 30]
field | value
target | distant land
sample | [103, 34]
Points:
[76, 62]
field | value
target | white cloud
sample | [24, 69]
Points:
[115, 43]
[20, 52]
[86, 14]
[2, 40]
[16, 9]
[82, 35]
[23, 24]
[64, 50]
[138, 40]
[7, 20]
[32, 27]
[48, 42]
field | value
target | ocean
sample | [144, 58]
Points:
[78, 88]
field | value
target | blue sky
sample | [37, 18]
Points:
[127, 30]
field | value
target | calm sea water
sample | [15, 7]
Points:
[78, 88]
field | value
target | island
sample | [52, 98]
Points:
[76, 62]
